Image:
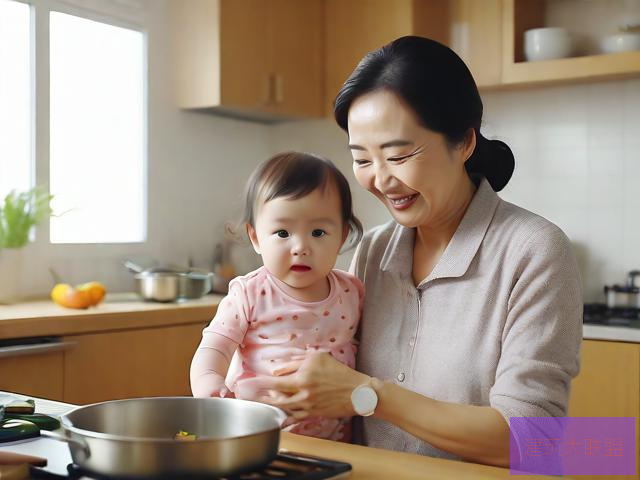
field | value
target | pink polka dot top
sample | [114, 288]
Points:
[272, 328]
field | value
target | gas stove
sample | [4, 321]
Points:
[600, 314]
[287, 466]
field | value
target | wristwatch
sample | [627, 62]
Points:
[364, 398]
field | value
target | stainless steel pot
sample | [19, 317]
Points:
[169, 285]
[135, 437]
[624, 296]
[195, 284]
[158, 286]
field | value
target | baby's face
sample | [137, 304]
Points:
[299, 239]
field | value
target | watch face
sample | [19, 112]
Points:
[364, 400]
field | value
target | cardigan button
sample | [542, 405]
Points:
[400, 377]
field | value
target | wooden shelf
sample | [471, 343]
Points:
[521, 15]
[589, 68]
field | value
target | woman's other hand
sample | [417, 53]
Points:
[319, 385]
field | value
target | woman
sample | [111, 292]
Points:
[473, 306]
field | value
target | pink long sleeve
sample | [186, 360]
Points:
[219, 341]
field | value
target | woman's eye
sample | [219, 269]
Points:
[318, 233]
[360, 162]
[282, 233]
[399, 158]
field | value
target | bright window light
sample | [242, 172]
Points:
[98, 131]
[15, 98]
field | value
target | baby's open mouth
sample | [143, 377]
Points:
[300, 268]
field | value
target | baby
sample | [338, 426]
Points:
[298, 215]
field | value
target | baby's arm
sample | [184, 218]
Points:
[210, 364]
[219, 341]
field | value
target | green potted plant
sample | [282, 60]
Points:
[20, 212]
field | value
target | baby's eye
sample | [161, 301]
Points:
[282, 233]
[318, 233]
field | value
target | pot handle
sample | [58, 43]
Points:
[80, 444]
[281, 416]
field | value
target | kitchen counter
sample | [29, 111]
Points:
[119, 311]
[605, 332]
[368, 463]
[126, 311]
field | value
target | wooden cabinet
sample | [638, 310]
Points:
[355, 27]
[475, 33]
[33, 370]
[521, 15]
[259, 59]
[608, 384]
[130, 363]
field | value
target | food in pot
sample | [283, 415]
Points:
[185, 436]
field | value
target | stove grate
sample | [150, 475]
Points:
[286, 466]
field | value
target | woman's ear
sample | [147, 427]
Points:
[253, 236]
[468, 145]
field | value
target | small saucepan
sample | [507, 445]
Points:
[137, 437]
[169, 285]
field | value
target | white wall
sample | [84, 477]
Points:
[577, 152]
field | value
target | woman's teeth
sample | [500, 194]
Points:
[401, 201]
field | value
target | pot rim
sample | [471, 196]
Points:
[67, 426]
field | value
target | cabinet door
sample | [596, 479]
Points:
[297, 55]
[476, 35]
[608, 385]
[132, 363]
[354, 28]
[244, 54]
[38, 374]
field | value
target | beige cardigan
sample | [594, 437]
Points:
[497, 322]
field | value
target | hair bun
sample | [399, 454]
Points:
[494, 160]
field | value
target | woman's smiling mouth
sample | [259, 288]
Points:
[401, 203]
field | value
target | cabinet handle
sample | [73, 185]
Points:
[19, 350]
[266, 91]
[279, 88]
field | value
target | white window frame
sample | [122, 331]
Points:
[119, 13]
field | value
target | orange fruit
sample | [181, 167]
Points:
[67, 296]
[96, 291]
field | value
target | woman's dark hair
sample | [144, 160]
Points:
[438, 86]
[295, 175]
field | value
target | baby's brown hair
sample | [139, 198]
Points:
[295, 175]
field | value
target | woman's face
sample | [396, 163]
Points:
[409, 168]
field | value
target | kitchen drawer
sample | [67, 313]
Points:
[130, 363]
[33, 367]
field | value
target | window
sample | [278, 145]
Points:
[16, 170]
[97, 131]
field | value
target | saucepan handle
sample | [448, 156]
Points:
[80, 444]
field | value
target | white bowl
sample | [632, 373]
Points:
[547, 43]
[621, 42]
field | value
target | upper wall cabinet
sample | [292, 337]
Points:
[355, 27]
[475, 33]
[251, 58]
[470, 27]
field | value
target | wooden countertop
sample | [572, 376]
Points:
[367, 463]
[376, 464]
[118, 312]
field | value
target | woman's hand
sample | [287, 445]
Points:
[319, 386]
